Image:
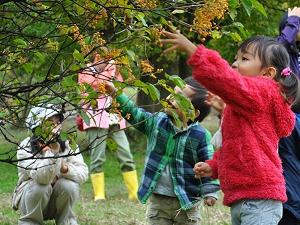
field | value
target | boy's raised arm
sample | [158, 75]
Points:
[142, 120]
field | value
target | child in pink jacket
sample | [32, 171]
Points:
[102, 125]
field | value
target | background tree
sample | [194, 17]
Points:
[44, 44]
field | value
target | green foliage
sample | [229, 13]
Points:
[44, 44]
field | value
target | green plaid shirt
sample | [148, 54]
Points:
[180, 149]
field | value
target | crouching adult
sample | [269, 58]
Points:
[49, 171]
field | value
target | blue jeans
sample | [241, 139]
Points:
[256, 212]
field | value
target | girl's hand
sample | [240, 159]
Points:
[215, 101]
[178, 41]
[202, 169]
[294, 12]
[210, 201]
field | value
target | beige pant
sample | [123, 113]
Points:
[164, 210]
[44, 202]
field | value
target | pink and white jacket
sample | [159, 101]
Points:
[99, 117]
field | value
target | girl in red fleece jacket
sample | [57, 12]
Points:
[258, 89]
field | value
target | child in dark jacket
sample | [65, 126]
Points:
[289, 151]
[173, 148]
[289, 36]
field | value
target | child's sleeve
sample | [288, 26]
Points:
[289, 33]
[138, 117]
[78, 170]
[214, 164]
[212, 71]
[209, 187]
[42, 170]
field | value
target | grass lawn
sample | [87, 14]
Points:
[115, 210]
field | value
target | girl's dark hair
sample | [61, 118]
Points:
[198, 98]
[294, 48]
[272, 53]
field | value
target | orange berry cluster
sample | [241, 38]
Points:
[101, 88]
[146, 67]
[114, 108]
[97, 39]
[155, 34]
[94, 19]
[146, 4]
[206, 14]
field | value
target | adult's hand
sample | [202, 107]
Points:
[294, 11]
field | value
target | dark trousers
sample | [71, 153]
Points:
[288, 218]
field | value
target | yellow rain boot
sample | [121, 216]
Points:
[98, 186]
[131, 182]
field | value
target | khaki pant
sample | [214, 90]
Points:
[164, 210]
[97, 139]
[44, 202]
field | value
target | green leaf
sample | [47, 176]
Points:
[20, 42]
[233, 4]
[259, 7]
[131, 54]
[233, 14]
[235, 36]
[111, 144]
[41, 57]
[215, 34]
[63, 135]
[164, 103]
[178, 11]
[85, 117]
[75, 67]
[145, 90]
[154, 92]
[247, 4]
[80, 10]
[141, 17]
[177, 81]
[77, 55]
[185, 105]
[237, 24]
[69, 81]
[163, 21]
[28, 67]
[139, 83]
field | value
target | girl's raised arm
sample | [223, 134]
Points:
[212, 71]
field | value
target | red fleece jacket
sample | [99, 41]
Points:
[255, 118]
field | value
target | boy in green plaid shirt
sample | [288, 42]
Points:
[174, 147]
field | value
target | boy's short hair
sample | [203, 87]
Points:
[198, 98]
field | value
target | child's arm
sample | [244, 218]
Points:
[204, 152]
[142, 120]
[77, 169]
[212, 71]
[209, 168]
[289, 33]
[42, 170]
